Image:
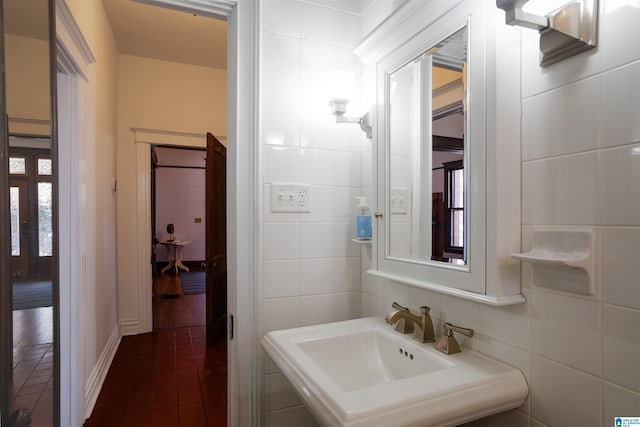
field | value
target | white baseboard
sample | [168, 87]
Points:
[129, 327]
[99, 372]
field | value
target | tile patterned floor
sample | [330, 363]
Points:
[165, 378]
[32, 386]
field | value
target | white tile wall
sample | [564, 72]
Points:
[562, 121]
[620, 266]
[508, 324]
[283, 95]
[619, 26]
[566, 330]
[328, 25]
[621, 346]
[280, 53]
[282, 164]
[282, 16]
[620, 189]
[329, 274]
[328, 167]
[561, 395]
[281, 241]
[328, 239]
[561, 190]
[311, 269]
[621, 99]
[281, 278]
[279, 393]
[581, 166]
[618, 402]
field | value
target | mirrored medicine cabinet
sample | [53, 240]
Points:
[447, 150]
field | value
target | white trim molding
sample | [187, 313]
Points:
[77, 53]
[129, 326]
[74, 58]
[218, 9]
[100, 370]
[244, 215]
[169, 137]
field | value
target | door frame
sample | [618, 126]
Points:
[244, 212]
[244, 215]
[74, 58]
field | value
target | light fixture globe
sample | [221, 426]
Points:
[338, 106]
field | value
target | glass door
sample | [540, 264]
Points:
[29, 368]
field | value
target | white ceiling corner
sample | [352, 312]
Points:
[184, 31]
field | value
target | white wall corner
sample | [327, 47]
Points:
[100, 370]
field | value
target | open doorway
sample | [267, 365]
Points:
[178, 229]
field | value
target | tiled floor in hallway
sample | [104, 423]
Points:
[165, 378]
[168, 377]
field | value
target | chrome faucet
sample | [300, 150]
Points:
[422, 324]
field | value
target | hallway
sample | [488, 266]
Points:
[167, 377]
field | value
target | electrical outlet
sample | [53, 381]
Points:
[290, 197]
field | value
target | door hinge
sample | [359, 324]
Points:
[231, 319]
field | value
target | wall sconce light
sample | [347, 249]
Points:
[339, 107]
[565, 32]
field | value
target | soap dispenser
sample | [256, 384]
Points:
[363, 220]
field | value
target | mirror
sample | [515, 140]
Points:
[446, 150]
[426, 165]
[29, 285]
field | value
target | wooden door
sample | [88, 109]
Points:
[216, 218]
[31, 196]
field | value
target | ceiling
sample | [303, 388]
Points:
[27, 18]
[154, 32]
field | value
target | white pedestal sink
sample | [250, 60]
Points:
[363, 373]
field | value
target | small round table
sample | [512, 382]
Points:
[175, 250]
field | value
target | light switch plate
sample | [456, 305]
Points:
[399, 200]
[290, 197]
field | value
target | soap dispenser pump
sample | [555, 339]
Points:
[363, 220]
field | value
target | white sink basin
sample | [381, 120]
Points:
[363, 373]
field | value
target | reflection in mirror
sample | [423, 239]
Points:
[427, 122]
[31, 210]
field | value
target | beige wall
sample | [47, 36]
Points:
[157, 95]
[100, 293]
[170, 96]
[27, 78]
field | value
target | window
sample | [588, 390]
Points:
[17, 166]
[44, 166]
[14, 209]
[45, 225]
[454, 209]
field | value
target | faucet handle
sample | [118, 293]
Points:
[447, 342]
[448, 329]
[399, 307]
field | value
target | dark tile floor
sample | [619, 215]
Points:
[168, 377]
[165, 378]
